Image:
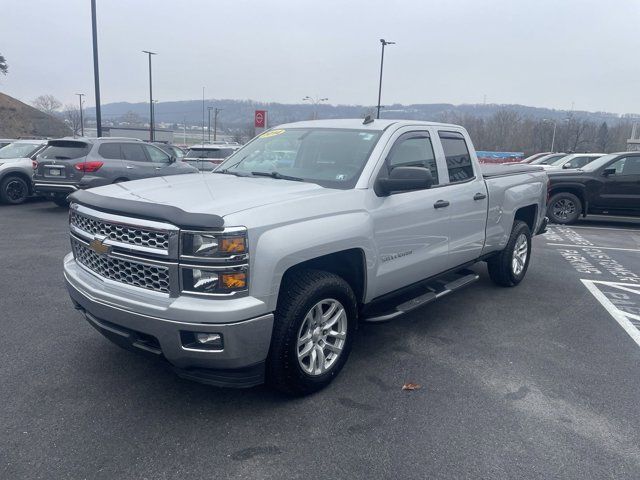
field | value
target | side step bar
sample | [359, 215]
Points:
[435, 289]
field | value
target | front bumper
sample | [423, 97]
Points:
[246, 342]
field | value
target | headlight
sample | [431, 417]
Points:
[213, 244]
[219, 281]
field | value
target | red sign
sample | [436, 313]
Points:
[260, 119]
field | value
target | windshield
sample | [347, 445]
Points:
[65, 150]
[562, 160]
[332, 158]
[18, 150]
[209, 153]
[596, 164]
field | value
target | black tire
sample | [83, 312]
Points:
[14, 190]
[61, 200]
[564, 208]
[300, 292]
[502, 267]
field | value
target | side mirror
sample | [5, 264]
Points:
[609, 171]
[566, 165]
[403, 179]
[172, 159]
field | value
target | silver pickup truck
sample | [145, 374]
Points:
[261, 270]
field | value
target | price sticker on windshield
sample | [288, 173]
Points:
[272, 133]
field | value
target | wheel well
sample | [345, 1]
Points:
[21, 175]
[575, 191]
[527, 215]
[348, 264]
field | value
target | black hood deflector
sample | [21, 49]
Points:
[148, 211]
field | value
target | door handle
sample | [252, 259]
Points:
[129, 167]
[479, 196]
[441, 204]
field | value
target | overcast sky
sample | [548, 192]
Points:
[546, 53]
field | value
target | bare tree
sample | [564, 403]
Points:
[47, 104]
[4, 67]
[72, 118]
[603, 139]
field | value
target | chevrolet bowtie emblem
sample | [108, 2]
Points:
[98, 246]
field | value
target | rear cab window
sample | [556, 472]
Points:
[457, 156]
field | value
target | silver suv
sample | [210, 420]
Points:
[71, 164]
[16, 169]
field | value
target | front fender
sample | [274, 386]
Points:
[282, 247]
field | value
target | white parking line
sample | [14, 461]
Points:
[623, 318]
[582, 227]
[594, 246]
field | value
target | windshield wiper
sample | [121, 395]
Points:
[232, 172]
[277, 175]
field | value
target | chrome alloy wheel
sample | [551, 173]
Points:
[322, 336]
[564, 208]
[520, 252]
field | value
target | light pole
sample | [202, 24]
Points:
[209, 126]
[553, 138]
[80, 95]
[150, 96]
[315, 102]
[216, 111]
[96, 73]
[384, 44]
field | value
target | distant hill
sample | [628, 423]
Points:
[238, 114]
[18, 120]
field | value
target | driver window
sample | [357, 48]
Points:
[626, 166]
[414, 152]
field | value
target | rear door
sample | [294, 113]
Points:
[136, 162]
[621, 190]
[466, 192]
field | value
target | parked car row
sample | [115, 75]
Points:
[56, 168]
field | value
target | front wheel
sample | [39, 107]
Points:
[313, 331]
[509, 267]
[13, 190]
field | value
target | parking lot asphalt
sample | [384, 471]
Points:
[537, 381]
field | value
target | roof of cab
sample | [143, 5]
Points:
[357, 123]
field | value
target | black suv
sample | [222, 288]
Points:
[609, 185]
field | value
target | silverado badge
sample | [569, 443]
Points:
[98, 246]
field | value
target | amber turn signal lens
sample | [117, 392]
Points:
[232, 245]
[233, 281]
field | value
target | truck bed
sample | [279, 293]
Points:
[498, 170]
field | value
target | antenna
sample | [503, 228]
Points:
[367, 120]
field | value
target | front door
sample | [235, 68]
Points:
[410, 229]
[621, 187]
[136, 162]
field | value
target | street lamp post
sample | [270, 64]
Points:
[150, 96]
[96, 73]
[384, 44]
[216, 111]
[209, 125]
[553, 138]
[80, 95]
[315, 102]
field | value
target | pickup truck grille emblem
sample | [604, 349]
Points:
[98, 246]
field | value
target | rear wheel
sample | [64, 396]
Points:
[313, 331]
[564, 208]
[60, 200]
[509, 267]
[13, 190]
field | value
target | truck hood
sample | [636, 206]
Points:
[210, 193]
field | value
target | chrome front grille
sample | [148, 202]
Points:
[130, 272]
[121, 233]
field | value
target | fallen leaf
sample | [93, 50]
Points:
[411, 386]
